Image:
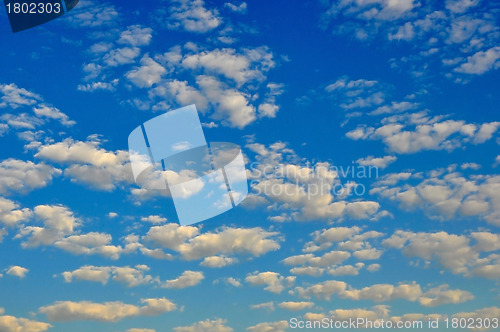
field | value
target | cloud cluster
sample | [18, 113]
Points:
[443, 193]
[191, 245]
[460, 38]
[65, 311]
[303, 192]
[385, 292]
[18, 176]
[88, 163]
[469, 255]
[15, 324]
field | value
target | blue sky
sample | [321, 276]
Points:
[310, 90]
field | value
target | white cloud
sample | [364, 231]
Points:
[65, 311]
[274, 282]
[240, 67]
[359, 93]
[154, 219]
[89, 273]
[241, 8]
[15, 324]
[95, 86]
[443, 295]
[378, 292]
[187, 241]
[380, 162]
[53, 113]
[230, 105]
[135, 35]
[444, 194]
[215, 325]
[89, 163]
[11, 214]
[218, 261]
[18, 176]
[121, 56]
[296, 306]
[480, 62]
[58, 222]
[460, 6]
[266, 305]
[13, 96]
[185, 280]
[304, 192]
[368, 254]
[461, 254]
[279, 326]
[17, 271]
[148, 74]
[112, 215]
[415, 132]
[192, 16]
[92, 14]
[92, 243]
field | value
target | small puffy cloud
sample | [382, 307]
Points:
[98, 86]
[266, 305]
[185, 280]
[215, 325]
[274, 282]
[279, 326]
[88, 273]
[192, 16]
[17, 271]
[381, 162]
[241, 8]
[218, 261]
[65, 311]
[232, 281]
[346, 270]
[154, 219]
[296, 306]
[136, 35]
[368, 254]
[112, 215]
[92, 243]
[121, 56]
[18, 176]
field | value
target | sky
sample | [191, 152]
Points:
[370, 132]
